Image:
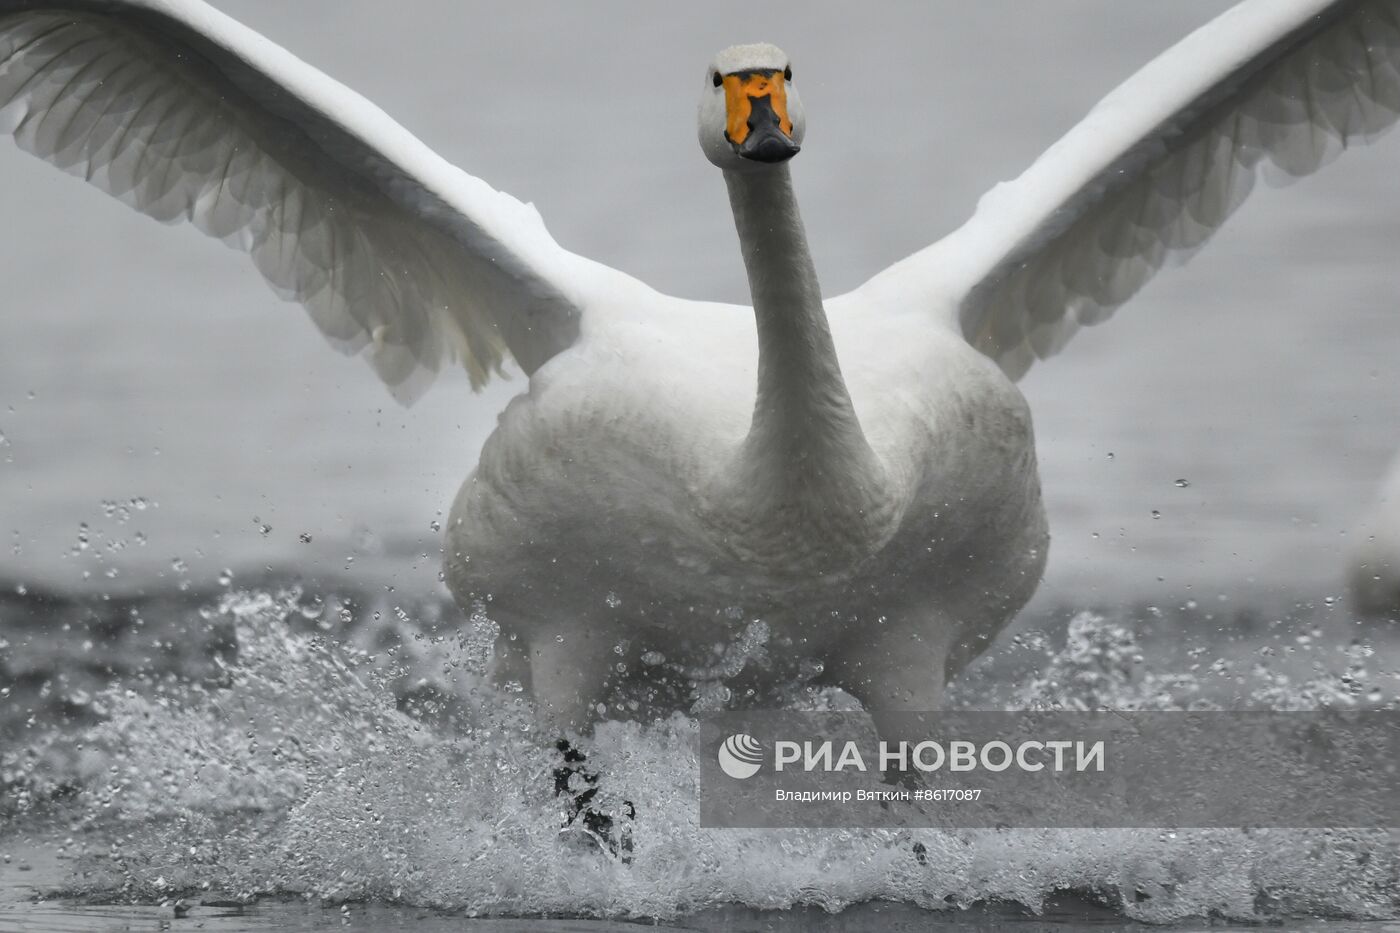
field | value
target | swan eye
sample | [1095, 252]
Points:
[787, 73]
[718, 80]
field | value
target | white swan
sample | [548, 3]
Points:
[861, 476]
[1374, 569]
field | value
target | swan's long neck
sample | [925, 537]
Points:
[805, 439]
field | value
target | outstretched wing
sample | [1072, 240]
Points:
[1156, 168]
[185, 114]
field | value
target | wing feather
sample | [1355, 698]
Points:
[187, 116]
[1273, 87]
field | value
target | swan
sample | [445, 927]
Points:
[850, 482]
[1374, 566]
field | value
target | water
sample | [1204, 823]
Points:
[201, 432]
[294, 766]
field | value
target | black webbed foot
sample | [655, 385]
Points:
[614, 833]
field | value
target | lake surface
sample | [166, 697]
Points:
[170, 431]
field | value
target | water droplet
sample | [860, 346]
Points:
[1110, 455]
[612, 600]
[304, 537]
[1182, 483]
[177, 564]
[435, 525]
[225, 577]
[1156, 514]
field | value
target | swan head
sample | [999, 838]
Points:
[750, 115]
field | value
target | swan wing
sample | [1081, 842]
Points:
[187, 115]
[1156, 168]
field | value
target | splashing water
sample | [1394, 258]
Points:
[300, 767]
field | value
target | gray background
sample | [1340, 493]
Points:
[139, 361]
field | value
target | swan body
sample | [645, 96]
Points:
[857, 472]
[912, 576]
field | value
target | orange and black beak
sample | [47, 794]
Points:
[757, 123]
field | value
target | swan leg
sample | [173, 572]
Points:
[569, 670]
[897, 669]
[511, 666]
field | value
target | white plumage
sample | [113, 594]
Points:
[875, 499]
